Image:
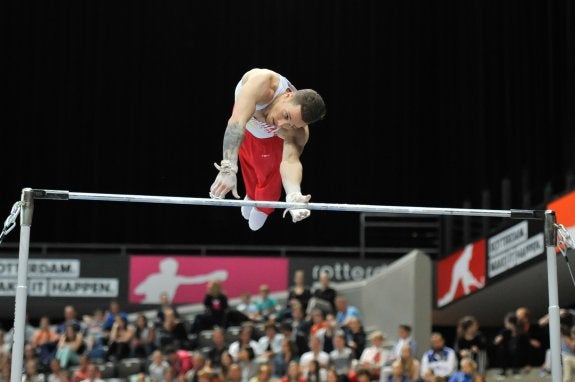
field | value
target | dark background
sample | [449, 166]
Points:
[429, 103]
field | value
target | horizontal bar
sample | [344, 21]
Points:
[127, 198]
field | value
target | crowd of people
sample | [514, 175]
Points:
[317, 336]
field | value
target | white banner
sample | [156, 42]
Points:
[83, 287]
[42, 268]
[516, 255]
[508, 239]
[36, 287]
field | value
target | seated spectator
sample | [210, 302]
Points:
[81, 373]
[214, 354]
[70, 346]
[318, 322]
[344, 311]
[324, 293]
[374, 356]
[180, 363]
[93, 374]
[119, 340]
[226, 362]
[114, 311]
[69, 320]
[247, 361]
[234, 374]
[264, 374]
[267, 306]
[165, 303]
[315, 353]
[294, 373]
[341, 357]
[198, 363]
[282, 359]
[244, 341]
[96, 337]
[300, 328]
[216, 309]
[31, 372]
[363, 375]
[315, 372]
[144, 340]
[158, 367]
[248, 307]
[270, 343]
[397, 374]
[410, 365]
[299, 291]
[404, 334]
[172, 332]
[333, 376]
[531, 342]
[57, 374]
[470, 343]
[467, 372]
[441, 359]
[44, 341]
[355, 336]
[327, 335]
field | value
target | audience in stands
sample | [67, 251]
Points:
[268, 307]
[172, 332]
[325, 293]
[143, 342]
[299, 290]
[374, 356]
[70, 346]
[355, 336]
[404, 337]
[120, 338]
[344, 311]
[470, 343]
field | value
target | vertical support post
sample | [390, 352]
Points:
[554, 323]
[26, 212]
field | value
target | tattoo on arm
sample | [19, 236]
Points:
[233, 138]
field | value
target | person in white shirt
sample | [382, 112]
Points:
[404, 333]
[270, 344]
[93, 374]
[373, 357]
[441, 359]
[315, 353]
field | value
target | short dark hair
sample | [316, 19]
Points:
[312, 105]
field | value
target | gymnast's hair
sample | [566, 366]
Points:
[312, 105]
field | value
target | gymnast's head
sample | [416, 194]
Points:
[297, 109]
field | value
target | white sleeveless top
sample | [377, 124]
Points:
[262, 129]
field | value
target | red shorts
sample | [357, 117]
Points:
[260, 164]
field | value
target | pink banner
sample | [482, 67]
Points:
[185, 278]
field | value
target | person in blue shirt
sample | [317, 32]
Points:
[345, 311]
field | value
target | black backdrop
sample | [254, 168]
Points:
[428, 104]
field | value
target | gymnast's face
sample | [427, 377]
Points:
[285, 114]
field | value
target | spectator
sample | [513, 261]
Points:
[44, 341]
[248, 307]
[120, 338]
[363, 375]
[327, 335]
[467, 372]
[341, 357]
[31, 372]
[70, 346]
[158, 367]
[324, 293]
[69, 320]
[172, 332]
[397, 374]
[286, 355]
[293, 373]
[165, 303]
[355, 336]
[299, 291]
[270, 343]
[410, 365]
[315, 372]
[374, 356]
[246, 360]
[318, 322]
[267, 306]
[404, 334]
[93, 374]
[113, 311]
[81, 373]
[198, 363]
[333, 376]
[532, 351]
[315, 353]
[226, 362]
[344, 311]
[143, 342]
[234, 374]
[214, 354]
[180, 363]
[300, 328]
[470, 343]
[504, 343]
[57, 374]
[264, 374]
[96, 337]
[216, 308]
[568, 352]
[441, 359]
[244, 341]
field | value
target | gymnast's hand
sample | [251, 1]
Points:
[226, 181]
[297, 214]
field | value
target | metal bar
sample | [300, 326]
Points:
[552, 289]
[127, 198]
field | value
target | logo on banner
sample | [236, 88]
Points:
[565, 212]
[184, 279]
[461, 273]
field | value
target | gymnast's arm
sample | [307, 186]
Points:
[291, 169]
[257, 88]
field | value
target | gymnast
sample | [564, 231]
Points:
[268, 130]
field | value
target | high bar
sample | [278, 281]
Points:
[388, 210]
